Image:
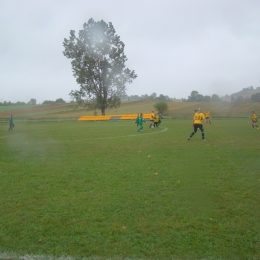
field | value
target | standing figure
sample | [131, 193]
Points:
[156, 120]
[160, 119]
[140, 121]
[11, 123]
[254, 120]
[152, 120]
[197, 124]
[136, 120]
[207, 116]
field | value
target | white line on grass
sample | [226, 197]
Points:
[7, 256]
[47, 130]
[39, 131]
[110, 137]
[4, 136]
[87, 139]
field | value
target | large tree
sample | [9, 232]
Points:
[193, 96]
[98, 64]
[32, 101]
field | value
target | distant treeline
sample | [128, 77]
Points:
[195, 96]
[33, 102]
[146, 97]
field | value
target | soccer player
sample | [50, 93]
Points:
[200, 113]
[207, 116]
[140, 121]
[11, 123]
[136, 120]
[156, 120]
[160, 119]
[152, 120]
[197, 124]
[254, 120]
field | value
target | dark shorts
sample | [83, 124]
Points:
[198, 126]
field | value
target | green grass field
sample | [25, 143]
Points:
[103, 191]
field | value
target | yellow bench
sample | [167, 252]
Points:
[94, 118]
[108, 117]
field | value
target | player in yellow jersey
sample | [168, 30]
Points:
[254, 120]
[197, 124]
[207, 116]
[156, 120]
[202, 115]
[152, 120]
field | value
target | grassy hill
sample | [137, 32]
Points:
[175, 109]
[247, 92]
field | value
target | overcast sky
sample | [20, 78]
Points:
[174, 46]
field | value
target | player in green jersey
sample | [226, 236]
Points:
[11, 123]
[160, 119]
[140, 121]
[136, 120]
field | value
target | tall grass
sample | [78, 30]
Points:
[103, 190]
[175, 109]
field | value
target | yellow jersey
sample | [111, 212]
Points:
[207, 114]
[254, 117]
[152, 117]
[198, 117]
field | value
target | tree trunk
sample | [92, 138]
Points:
[103, 111]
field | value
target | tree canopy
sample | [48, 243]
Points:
[161, 107]
[32, 101]
[98, 64]
[59, 100]
[195, 96]
[255, 97]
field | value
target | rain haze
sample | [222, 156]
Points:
[174, 47]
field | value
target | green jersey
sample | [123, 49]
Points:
[140, 120]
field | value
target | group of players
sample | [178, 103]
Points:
[199, 117]
[155, 120]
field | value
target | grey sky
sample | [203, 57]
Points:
[175, 46]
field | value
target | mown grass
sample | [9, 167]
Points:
[103, 190]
